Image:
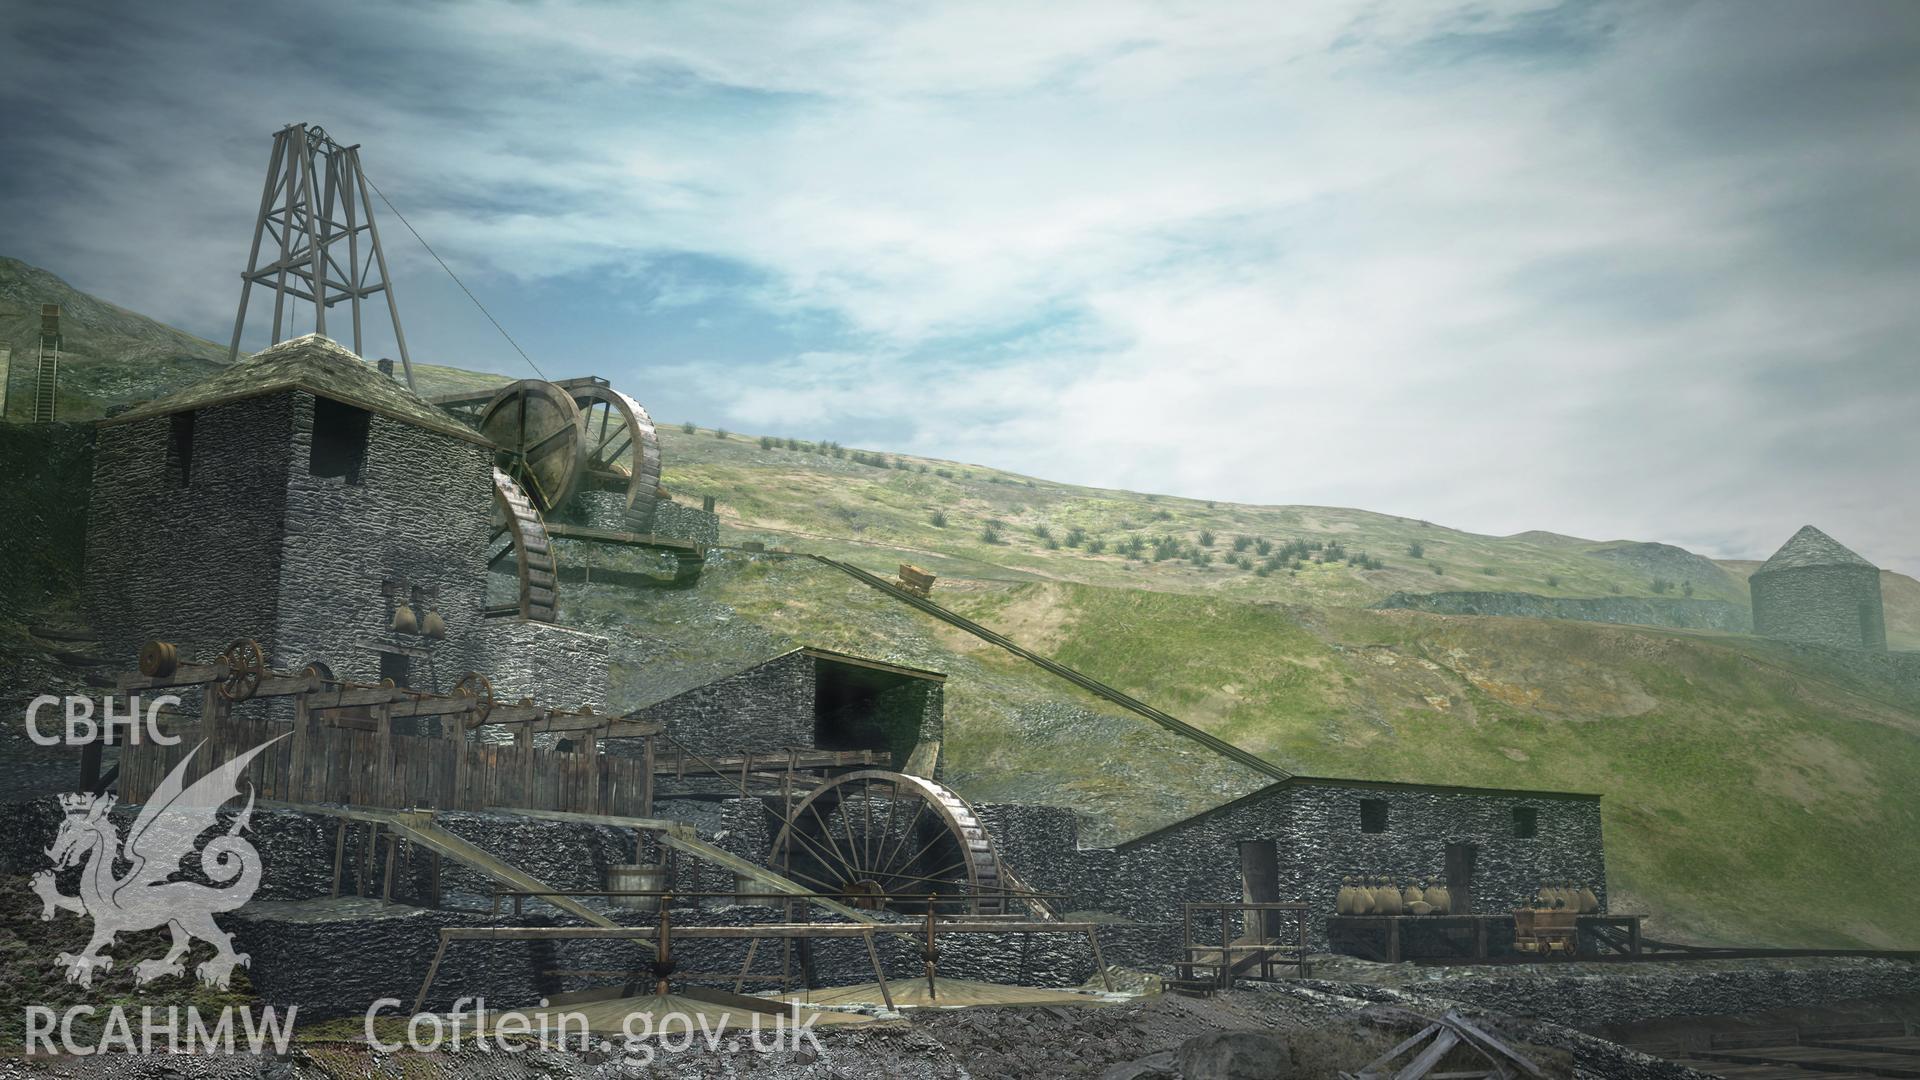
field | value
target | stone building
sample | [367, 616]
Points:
[812, 699]
[301, 498]
[1815, 590]
[1297, 838]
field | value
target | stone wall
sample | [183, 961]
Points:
[555, 665]
[1315, 826]
[689, 523]
[193, 559]
[1821, 605]
[1635, 610]
[766, 707]
[49, 471]
[419, 513]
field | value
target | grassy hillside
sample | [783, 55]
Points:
[971, 522]
[111, 356]
[1750, 796]
[1740, 782]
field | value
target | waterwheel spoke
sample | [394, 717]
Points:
[908, 837]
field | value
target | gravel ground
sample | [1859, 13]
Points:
[1327, 1031]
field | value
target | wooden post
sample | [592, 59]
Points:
[1633, 936]
[663, 953]
[433, 969]
[1093, 939]
[1393, 939]
[753, 946]
[1479, 938]
[879, 973]
[1226, 949]
[646, 776]
[386, 788]
[454, 727]
[297, 754]
[386, 883]
[523, 743]
[931, 952]
[339, 854]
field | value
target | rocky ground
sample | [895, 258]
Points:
[1284, 1031]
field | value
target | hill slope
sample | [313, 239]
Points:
[1742, 779]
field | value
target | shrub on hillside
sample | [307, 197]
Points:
[1096, 545]
[1660, 585]
[1416, 550]
[990, 535]
[938, 520]
[1242, 543]
[1206, 538]
[1076, 536]
[688, 427]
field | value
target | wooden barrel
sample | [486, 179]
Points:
[636, 876]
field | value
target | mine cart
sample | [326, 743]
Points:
[1545, 932]
[915, 580]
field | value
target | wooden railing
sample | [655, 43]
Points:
[347, 766]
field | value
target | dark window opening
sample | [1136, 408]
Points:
[1373, 815]
[180, 449]
[1526, 822]
[339, 440]
[856, 708]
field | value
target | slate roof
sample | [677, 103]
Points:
[320, 367]
[1811, 547]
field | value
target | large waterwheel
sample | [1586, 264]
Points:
[873, 835]
[620, 450]
[538, 427]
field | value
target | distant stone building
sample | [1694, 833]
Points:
[1814, 590]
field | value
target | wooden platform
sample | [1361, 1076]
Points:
[607, 1013]
[946, 994]
[1383, 937]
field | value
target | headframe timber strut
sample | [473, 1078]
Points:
[314, 204]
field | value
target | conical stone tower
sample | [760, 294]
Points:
[1815, 590]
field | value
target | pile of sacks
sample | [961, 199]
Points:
[1381, 896]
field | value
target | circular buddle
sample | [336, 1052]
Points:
[538, 428]
[246, 662]
[620, 448]
[868, 836]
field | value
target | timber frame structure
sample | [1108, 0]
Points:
[344, 747]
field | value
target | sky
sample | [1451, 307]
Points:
[1617, 270]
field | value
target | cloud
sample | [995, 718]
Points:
[1616, 269]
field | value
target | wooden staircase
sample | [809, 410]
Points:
[46, 379]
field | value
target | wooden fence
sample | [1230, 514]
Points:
[369, 768]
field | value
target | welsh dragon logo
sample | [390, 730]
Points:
[163, 836]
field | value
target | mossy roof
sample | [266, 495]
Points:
[320, 367]
[1811, 547]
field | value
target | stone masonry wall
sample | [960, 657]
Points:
[196, 563]
[1821, 605]
[1636, 610]
[1316, 828]
[766, 707]
[419, 513]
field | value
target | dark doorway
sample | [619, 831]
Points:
[396, 666]
[1460, 860]
[1260, 884]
